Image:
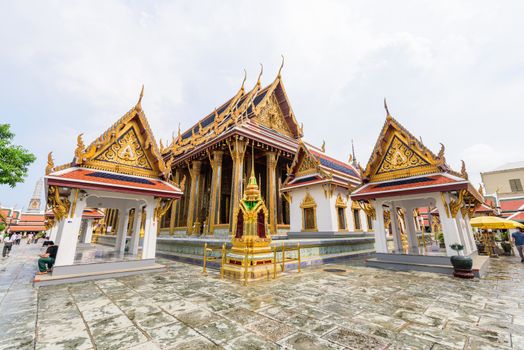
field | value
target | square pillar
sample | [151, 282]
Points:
[397, 239]
[381, 245]
[135, 235]
[237, 149]
[150, 227]
[67, 238]
[449, 225]
[88, 235]
[411, 231]
[271, 195]
[123, 221]
[192, 213]
[215, 159]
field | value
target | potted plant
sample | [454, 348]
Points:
[441, 242]
[461, 264]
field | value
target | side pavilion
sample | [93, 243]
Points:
[402, 176]
[123, 170]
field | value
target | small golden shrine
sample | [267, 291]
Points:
[251, 252]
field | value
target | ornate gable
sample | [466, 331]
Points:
[304, 163]
[274, 111]
[398, 154]
[127, 147]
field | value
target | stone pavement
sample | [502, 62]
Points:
[355, 308]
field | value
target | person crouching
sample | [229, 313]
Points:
[47, 260]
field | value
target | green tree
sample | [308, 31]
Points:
[14, 160]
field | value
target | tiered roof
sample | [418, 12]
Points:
[125, 158]
[400, 164]
[512, 208]
[311, 166]
[263, 114]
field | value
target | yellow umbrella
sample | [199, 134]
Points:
[493, 222]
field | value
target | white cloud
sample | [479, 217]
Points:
[451, 70]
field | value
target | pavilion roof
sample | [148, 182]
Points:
[401, 164]
[268, 106]
[125, 158]
[312, 165]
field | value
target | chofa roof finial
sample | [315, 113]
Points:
[386, 108]
[138, 106]
[260, 74]
[243, 81]
[281, 66]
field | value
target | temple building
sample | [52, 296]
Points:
[211, 156]
[402, 176]
[318, 188]
[121, 170]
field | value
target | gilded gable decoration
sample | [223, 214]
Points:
[272, 117]
[398, 154]
[128, 146]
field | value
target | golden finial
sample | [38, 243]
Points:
[138, 106]
[463, 171]
[281, 66]
[386, 108]
[441, 151]
[260, 74]
[79, 151]
[302, 128]
[179, 137]
[243, 81]
[323, 148]
[481, 190]
[161, 146]
[50, 164]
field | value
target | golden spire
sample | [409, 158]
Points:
[138, 105]
[323, 148]
[252, 193]
[281, 66]
[260, 74]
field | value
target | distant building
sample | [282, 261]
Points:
[505, 184]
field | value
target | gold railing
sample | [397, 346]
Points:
[284, 259]
[214, 258]
[245, 262]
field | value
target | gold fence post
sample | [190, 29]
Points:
[245, 268]
[204, 272]
[298, 252]
[223, 260]
[274, 262]
[283, 256]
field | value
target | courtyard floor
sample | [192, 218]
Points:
[356, 308]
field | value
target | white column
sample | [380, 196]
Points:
[411, 231]
[53, 232]
[449, 226]
[150, 228]
[88, 236]
[463, 233]
[135, 237]
[123, 220]
[67, 238]
[395, 228]
[469, 234]
[381, 245]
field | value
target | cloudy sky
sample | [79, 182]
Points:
[452, 71]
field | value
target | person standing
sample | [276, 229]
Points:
[30, 238]
[518, 238]
[8, 244]
[18, 238]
